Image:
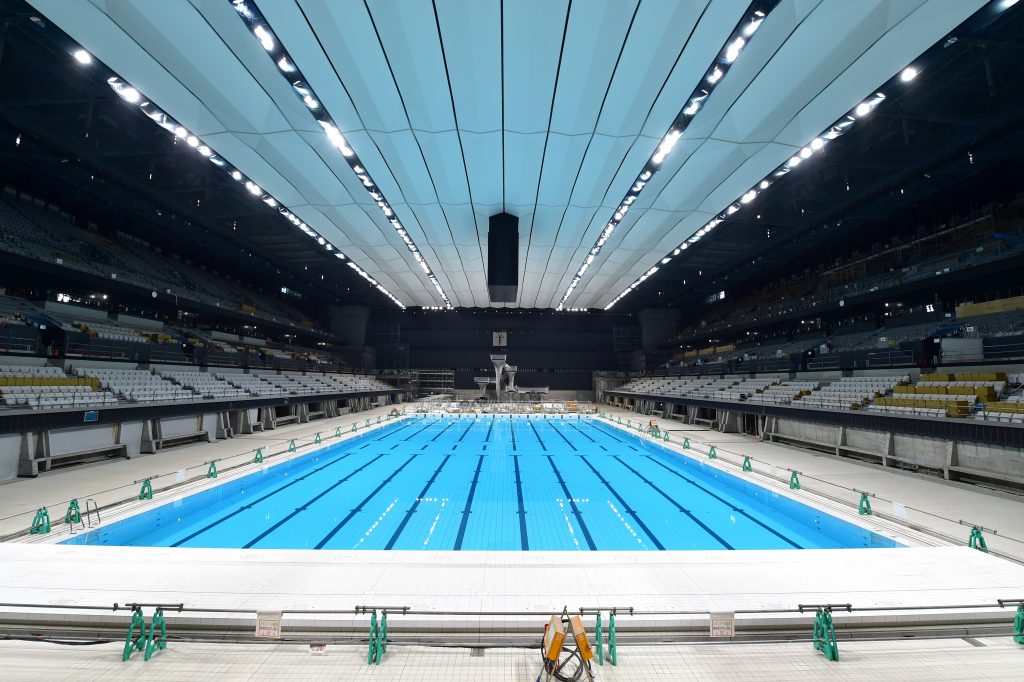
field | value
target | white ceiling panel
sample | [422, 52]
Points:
[459, 110]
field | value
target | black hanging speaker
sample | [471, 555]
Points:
[503, 258]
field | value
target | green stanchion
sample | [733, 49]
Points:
[977, 540]
[367, 422]
[686, 443]
[655, 432]
[664, 436]
[747, 466]
[41, 522]
[355, 427]
[337, 432]
[146, 492]
[73, 514]
[629, 423]
[258, 459]
[598, 636]
[133, 642]
[378, 418]
[613, 651]
[291, 445]
[382, 637]
[794, 481]
[1018, 625]
[865, 505]
[372, 652]
[211, 472]
[317, 439]
[713, 453]
[825, 635]
[152, 644]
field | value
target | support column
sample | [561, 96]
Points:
[840, 439]
[150, 437]
[952, 460]
[890, 448]
[498, 360]
[223, 428]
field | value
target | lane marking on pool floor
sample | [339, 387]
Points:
[523, 538]
[404, 426]
[421, 430]
[380, 520]
[572, 504]
[625, 506]
[259, 499]
[562, 436]
[674, 503]
[609, 434]
[725, 502]
[585, 435]
[359, 507]
[416, 504]
[539, 439]
[469, 504]
[305, 506]
[447, 426]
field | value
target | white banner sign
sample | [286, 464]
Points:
[268, 624]
[723, 624]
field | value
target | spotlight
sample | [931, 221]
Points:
[909, 74]
[266, 40]
[82, 57]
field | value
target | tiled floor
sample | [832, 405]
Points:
[927, 660]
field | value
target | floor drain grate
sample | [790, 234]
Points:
[972, 641]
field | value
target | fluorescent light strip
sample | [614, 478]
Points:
[740, 37]
[837, 129]
[815, 146]
[261, 31]
[132, 95]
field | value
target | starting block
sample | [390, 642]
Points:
[564, 661]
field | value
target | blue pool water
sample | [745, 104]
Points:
[488, 483]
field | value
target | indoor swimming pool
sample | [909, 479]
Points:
[519, 483]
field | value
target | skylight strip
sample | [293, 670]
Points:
[840, 127]
[262, 32]
[752, 18]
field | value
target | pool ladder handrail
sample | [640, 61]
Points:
[87, 517]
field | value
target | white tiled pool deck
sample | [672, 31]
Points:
[942, 574]
[927, 660]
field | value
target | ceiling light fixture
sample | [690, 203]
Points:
[82, 57]
[731, 50]
[817, 144]
[133, 96]
[260, 27]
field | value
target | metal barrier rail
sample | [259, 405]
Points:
[800, 608]
[893, 358]
[270, 627]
